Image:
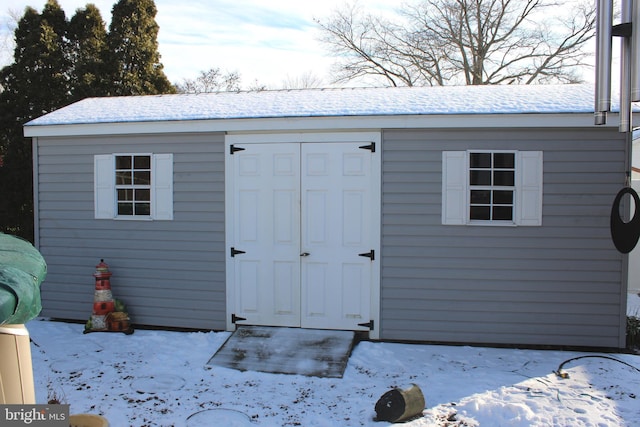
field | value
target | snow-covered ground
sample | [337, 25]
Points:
[159, 378]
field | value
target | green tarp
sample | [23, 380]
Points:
[22, 270]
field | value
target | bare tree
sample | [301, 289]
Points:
[213, 80]
[474, 42]
[257, 86]
[307, 80]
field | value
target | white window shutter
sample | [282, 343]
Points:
[454, 187]
[104, 186]
[529, 188]
[162, 187]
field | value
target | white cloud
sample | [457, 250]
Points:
[262, 41]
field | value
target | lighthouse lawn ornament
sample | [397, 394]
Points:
[108, 315]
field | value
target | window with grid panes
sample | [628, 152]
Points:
[133, 185]
[491, 186]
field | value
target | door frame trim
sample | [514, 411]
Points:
[365, 137]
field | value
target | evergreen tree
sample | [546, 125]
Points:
[135, 62]
[35, 84]
[38, 80]
[57, 62]
[89, 50]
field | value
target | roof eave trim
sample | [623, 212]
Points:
[537, 120]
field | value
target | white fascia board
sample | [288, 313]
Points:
[275, 137]
[303, 124]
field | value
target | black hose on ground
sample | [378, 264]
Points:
[561, 374]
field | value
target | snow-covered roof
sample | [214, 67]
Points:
[447, 100]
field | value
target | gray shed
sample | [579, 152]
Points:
[441, 214]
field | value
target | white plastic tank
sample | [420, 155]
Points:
[16, 369]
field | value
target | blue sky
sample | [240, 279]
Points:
[268, 41]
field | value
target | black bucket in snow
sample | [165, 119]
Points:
[400, 404]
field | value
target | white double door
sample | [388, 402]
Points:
[302, 252]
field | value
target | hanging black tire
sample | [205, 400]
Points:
[625, 234]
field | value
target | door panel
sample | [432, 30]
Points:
[302, 218]
[336, 281]
[267, 227]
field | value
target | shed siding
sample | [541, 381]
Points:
[557, 284]
[169, 273]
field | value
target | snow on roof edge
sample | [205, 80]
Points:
[331, 102]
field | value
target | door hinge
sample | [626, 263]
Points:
[369, 325]
[235, 319]
[371, 147]
[235, 252]
[233, 149]
[371, 255]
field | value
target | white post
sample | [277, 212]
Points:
[635, 56]
[625, 69]
[604, 23]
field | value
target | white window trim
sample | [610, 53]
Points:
[161, 187]
[528, 189]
